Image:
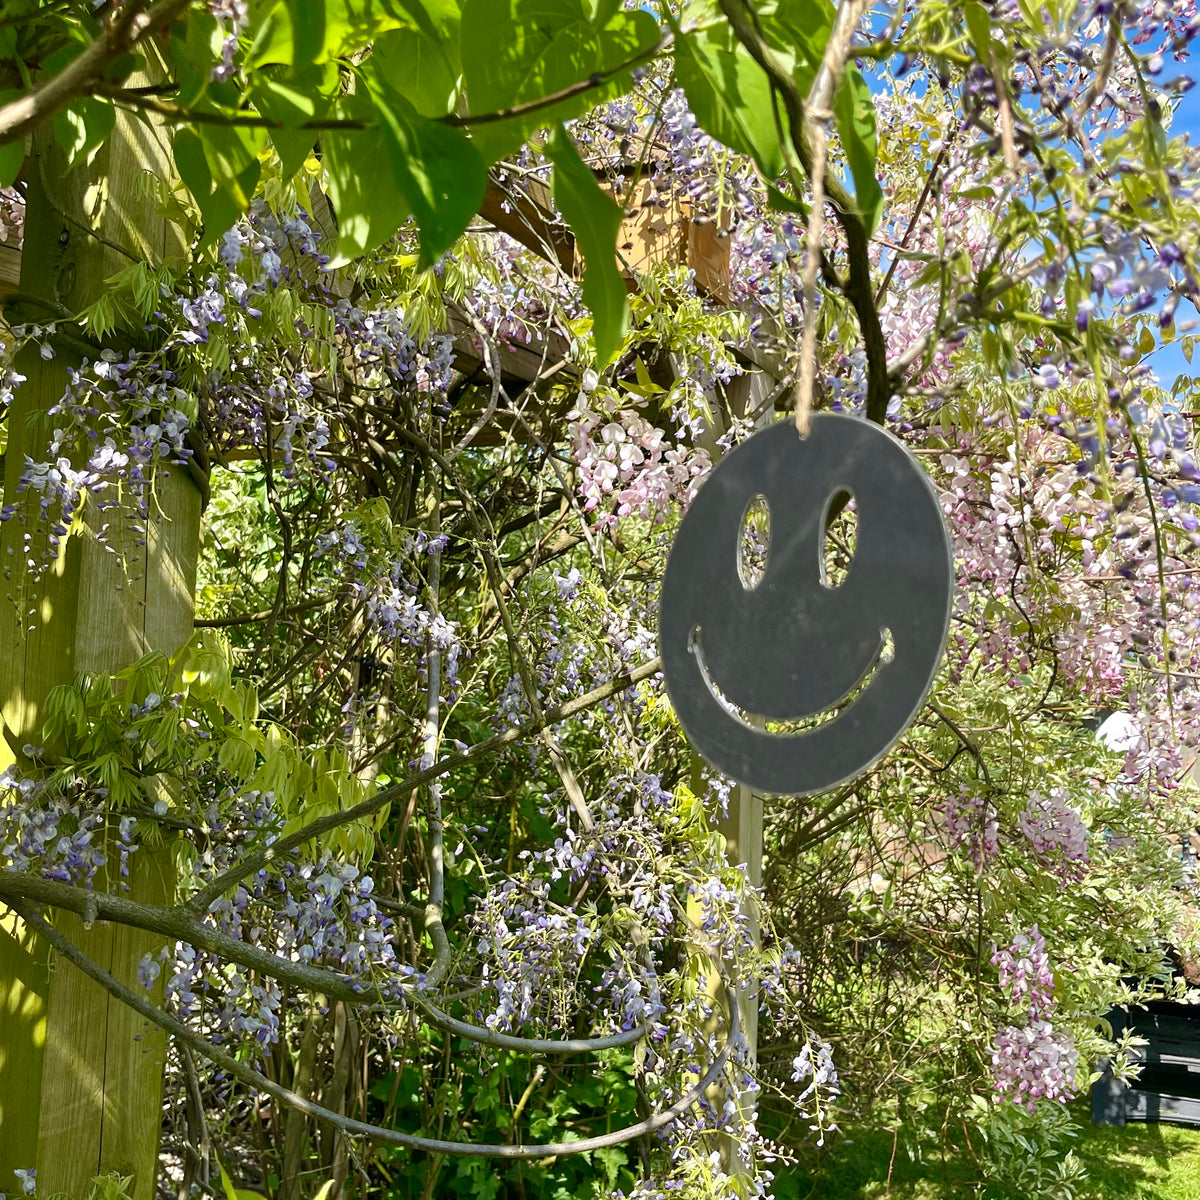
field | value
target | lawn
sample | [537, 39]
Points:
[1137, 1162]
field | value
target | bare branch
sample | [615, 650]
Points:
[180, 925]
[348, 1125]
[967, 744]
[80, 76]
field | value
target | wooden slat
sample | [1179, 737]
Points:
[97, 1105]
[660, 227]
[520, 363]
[1168, 1086]
[10, 264]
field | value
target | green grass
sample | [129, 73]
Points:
[1143, 1162]
[1137, 1162]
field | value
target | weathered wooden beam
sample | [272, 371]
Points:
[10, 245]
[526, 214]
[660, 227]
[521, 363]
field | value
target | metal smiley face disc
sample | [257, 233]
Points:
[847, 666]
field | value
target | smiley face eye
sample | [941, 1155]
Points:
[754, 545]
[840, 540]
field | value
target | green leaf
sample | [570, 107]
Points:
[798, 30]
[855, 113]
[368, 205]
[730, 95]
[232, 1193]
[280, 101]
[438, 170]
[434, 18]
[219, 172]
[293, 147]
[979, 28]
[424, 69]
[195, 46]
[519, 51]
[274, 37]
[353, 24]
[781, 202]
[232, 153]
[294, 97]
[595, 219]
[81, 129]
[300, 32]
[12, 155]
[308, 30]
[192, 165]
[124, 65]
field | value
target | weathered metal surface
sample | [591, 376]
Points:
[739, 656]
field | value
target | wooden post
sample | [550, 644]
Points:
[743, 833]
[742, 827]
[80, 1075]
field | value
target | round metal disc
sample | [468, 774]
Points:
[849, 664]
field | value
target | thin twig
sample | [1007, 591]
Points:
[255, 617]
[492, 355]
[967, 744]
[366, 808]
[881, 291]
[486, 536]
[433, 671]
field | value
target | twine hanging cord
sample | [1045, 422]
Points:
[809, 120]
[818, 112]
[819, 134]
[857, 287]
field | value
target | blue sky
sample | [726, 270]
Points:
[1168, 361]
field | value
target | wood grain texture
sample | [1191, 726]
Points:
[80, 1075]
[10, 264]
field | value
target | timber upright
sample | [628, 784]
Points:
[81, 1075]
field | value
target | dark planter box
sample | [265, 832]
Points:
[1168, 1088]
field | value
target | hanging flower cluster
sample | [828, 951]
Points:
[1032, 1061]
[627, 467]
[972, 825]
[1057, 834]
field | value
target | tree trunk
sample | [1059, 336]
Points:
[80, 1075]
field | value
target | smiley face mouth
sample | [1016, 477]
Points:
[793, 726]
